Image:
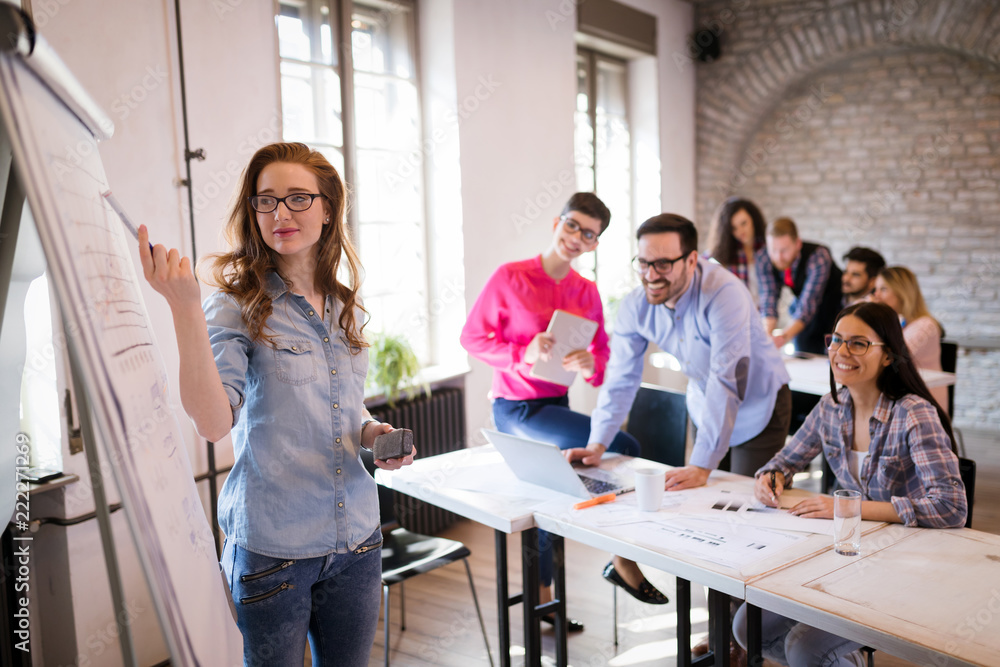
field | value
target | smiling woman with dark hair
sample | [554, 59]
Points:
[884, 437]
[737, 234]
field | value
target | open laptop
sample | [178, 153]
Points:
[544, 464]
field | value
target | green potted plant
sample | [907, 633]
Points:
[393, 366]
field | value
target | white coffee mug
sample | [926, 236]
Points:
[649, 483]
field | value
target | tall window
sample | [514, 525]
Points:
[388, 185]
[604, 164]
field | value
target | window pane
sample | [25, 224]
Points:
[387, 113]
[310, 104]
[305, 32]
[381, 40]
[395, 280]
[390, 188]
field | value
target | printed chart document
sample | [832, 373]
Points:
[571, 332]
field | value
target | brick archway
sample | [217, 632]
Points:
[737, 93]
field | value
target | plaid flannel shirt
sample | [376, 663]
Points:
[910, 462]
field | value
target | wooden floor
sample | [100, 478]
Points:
[442, 628]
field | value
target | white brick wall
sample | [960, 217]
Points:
[870, 123]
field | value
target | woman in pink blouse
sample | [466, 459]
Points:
[897, 287]
[506, 329]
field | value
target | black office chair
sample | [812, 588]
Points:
[406, 554]
[949, 362]
[659, 421]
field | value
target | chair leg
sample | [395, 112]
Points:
[614, 613]
[402, 607]
[385, 622]
[475, 601]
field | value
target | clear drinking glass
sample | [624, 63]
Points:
[847, 522]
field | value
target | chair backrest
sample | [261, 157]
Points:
[659, 421]
[949, 362]
[386, 497]
[967, 471]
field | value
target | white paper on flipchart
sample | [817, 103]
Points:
[89, 260]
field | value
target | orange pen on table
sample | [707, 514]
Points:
[597, 500]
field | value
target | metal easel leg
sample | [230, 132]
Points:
[101, 508]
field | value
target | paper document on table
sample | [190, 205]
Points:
[722, 504]
[730, 545]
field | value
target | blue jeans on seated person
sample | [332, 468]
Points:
[332, 600]
[789, 642]
[550, 420]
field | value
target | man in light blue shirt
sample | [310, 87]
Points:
[737, 395]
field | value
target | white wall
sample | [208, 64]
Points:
[505, 70]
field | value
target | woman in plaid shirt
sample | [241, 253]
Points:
[883, 435]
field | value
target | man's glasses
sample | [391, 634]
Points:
[572, 226]
[856, 346]
[661, 266]
[298, 202]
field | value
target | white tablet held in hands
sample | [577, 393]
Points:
[571, 332]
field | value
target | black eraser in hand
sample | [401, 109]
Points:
[393, 445]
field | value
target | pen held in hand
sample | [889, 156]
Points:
[606, 498]
[113, 201]
[774, 487]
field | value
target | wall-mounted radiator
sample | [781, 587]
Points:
[438, 425]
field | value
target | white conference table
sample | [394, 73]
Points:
[476, 484]
[810, 374]
[925, 595]
[658, 549]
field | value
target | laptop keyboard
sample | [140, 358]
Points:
[597, 486]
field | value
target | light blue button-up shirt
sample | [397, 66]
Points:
[733, 368]
[298, 488]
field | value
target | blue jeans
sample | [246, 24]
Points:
[796, 644]
[550, 420]
[333, 600]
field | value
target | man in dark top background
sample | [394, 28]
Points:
[861, 266]
[808, 270]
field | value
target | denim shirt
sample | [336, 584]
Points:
[298, 488]
[733, 368]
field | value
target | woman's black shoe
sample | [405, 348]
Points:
[571, 624]
[646, 592]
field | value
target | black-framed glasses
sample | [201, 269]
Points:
[298, 202]
[661, 266]
[856, 346]
[572, 226]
